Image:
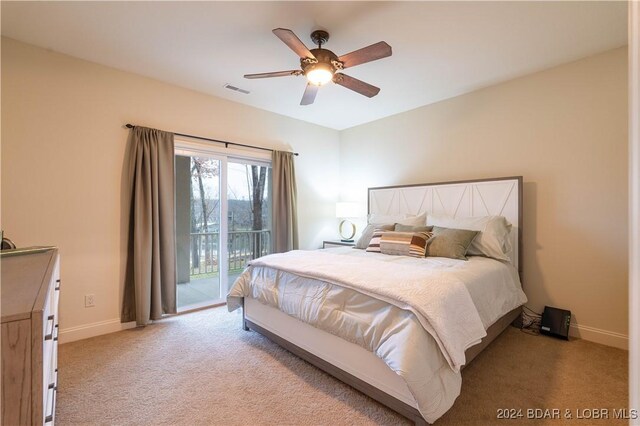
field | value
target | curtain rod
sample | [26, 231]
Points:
[226, 143]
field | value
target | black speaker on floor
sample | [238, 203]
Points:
[555, 322]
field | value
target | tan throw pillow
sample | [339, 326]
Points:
[405, 243]
[367, 233]
[408, 228]
[452, 243]
[493, 239]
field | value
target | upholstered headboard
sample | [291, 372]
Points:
[480, 197]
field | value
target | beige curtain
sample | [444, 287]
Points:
[285, 221]
[150, 284]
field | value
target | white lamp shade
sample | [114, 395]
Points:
[348, 209]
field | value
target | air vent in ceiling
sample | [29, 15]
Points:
[236, 89]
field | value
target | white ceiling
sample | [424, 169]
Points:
[440, 49]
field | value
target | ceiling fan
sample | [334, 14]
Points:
[321, 66]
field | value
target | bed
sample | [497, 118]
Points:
[373, 337]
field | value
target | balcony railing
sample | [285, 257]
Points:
[243, 246]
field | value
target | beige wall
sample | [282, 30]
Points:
[63, 148]
[565, 131]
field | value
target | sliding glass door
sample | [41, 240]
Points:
[249, 224]
[223, 220]
[198, 226]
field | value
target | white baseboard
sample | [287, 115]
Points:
[604, 337]
[85, 331]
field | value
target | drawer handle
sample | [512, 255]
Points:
[49, 417]
[54, 384]
[49, 335]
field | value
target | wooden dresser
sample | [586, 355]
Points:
[30, 295]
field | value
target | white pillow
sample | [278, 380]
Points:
[401, 218]
[420, 220]
[382, 219]
[492, 241]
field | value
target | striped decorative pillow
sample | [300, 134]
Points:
[405, 243]
[374, 243]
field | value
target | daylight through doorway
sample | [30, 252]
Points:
[223, 220]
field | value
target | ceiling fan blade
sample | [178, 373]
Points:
[366, 54]
[309, 95]
[273, 74]
[294, 43]
[356, 85]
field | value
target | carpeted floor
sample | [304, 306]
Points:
[201, 368]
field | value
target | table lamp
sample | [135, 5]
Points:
[345, 211]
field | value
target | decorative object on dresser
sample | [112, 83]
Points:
[331, 244]
[30, 297]
[7, 244]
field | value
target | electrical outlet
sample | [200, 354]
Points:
[89, 301]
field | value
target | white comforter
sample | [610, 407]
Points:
[418, 315]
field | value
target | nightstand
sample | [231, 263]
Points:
[338, 243]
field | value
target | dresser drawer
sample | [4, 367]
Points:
[50, 405]
[50, 359]
[53, 293]
[54, 360]
[50, 314]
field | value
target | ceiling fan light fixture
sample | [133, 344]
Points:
[319, 75]
[321, 66]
